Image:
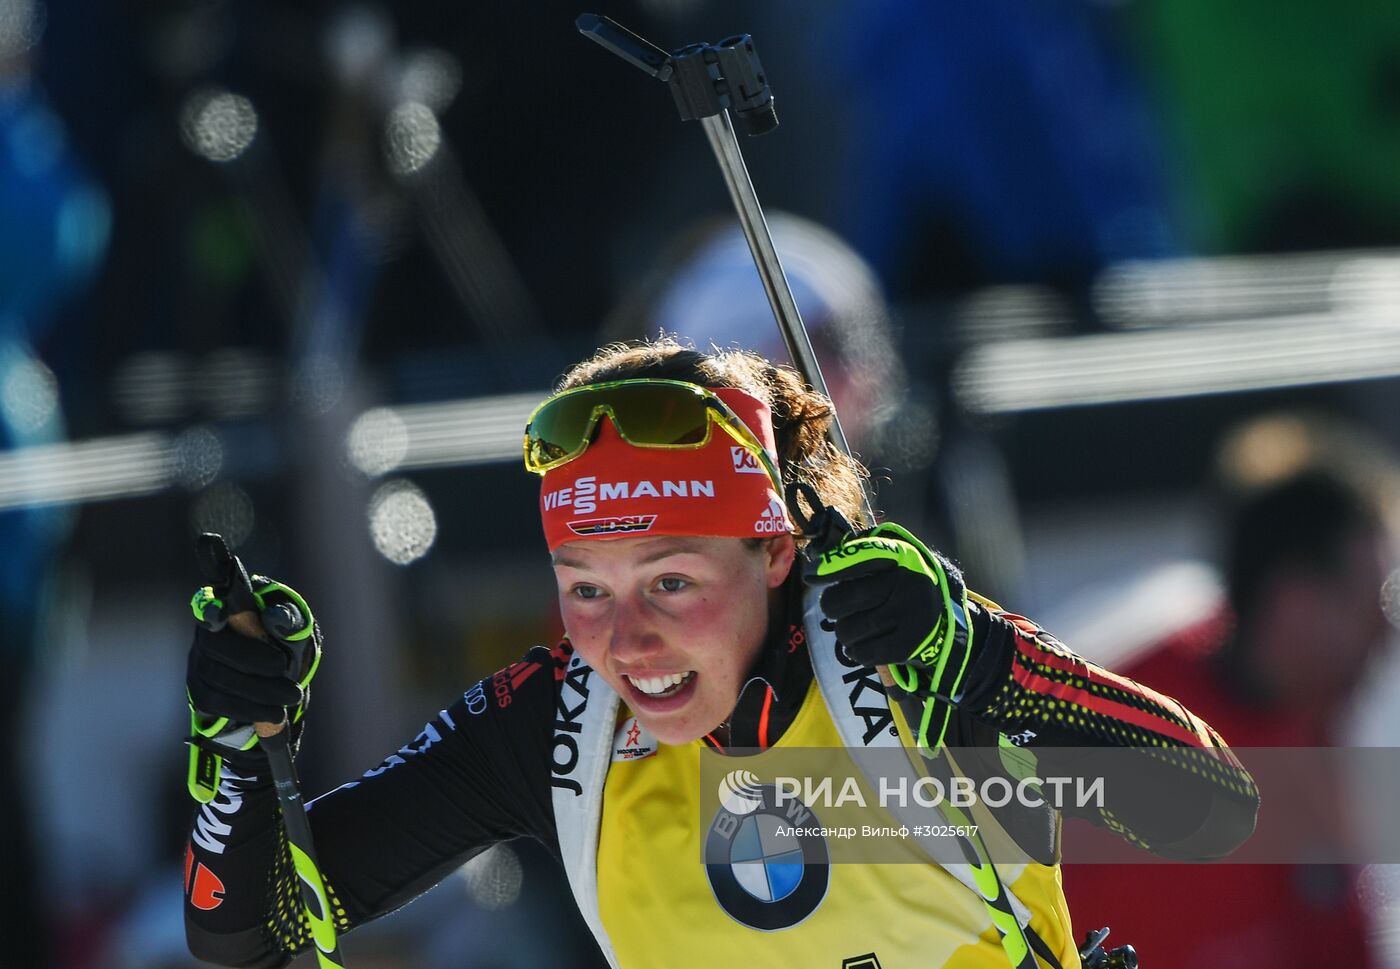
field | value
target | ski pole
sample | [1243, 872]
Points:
[705, 80]
[243, 614]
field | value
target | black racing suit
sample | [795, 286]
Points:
[480, 773]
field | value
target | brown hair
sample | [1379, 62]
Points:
[801, 416]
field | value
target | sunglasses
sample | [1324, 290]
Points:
[647, 413]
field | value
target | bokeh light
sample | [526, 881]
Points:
[1390, 598]
[227, 509]
[218, 125]
[430, 77]
[411, 137]
[401, 522]
[494, 878]
[197, 458]
[28, 393]
[377, 442]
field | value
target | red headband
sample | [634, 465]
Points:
[616, 490]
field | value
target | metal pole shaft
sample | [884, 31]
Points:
[725, 145]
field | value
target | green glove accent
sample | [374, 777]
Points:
[206, 731]
[937, 664]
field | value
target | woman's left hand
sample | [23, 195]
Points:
[893, 602]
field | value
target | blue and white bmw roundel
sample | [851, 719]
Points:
[768, 866]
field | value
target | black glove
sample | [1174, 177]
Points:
[233, 680]
[892, 602]
[249, 680]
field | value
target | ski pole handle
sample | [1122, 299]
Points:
[243, 616]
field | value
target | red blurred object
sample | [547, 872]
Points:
[1241, 916]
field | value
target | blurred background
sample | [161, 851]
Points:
[1081, 273]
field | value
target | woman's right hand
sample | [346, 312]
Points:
[246, 680]
[256, 648]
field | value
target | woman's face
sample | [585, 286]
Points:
[672, 623]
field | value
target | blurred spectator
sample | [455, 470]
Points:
[707, 290]
[1276, 666]
[993, 142]
[53, 230]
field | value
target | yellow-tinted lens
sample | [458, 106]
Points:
[646, 413]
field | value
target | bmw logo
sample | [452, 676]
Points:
[768, 865]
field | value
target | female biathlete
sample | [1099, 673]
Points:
[694, 620]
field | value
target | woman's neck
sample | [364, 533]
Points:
[777, 682]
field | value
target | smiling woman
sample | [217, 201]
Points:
[691, 625]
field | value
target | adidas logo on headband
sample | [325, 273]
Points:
[773, 521]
